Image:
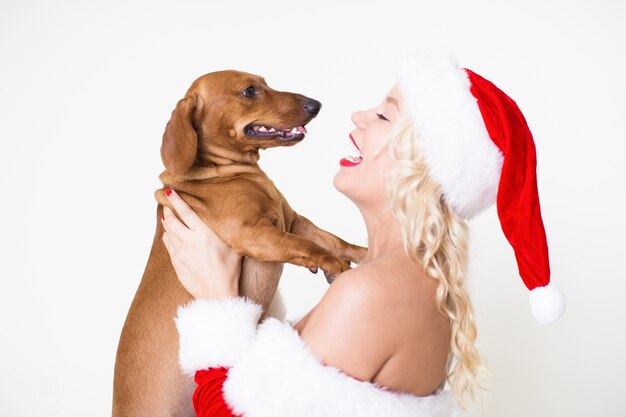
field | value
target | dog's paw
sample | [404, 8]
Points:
[329, 278]
[333, 266]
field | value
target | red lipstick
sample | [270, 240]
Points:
[347, 163]
[353, 141]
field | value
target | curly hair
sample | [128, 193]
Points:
[434, 236]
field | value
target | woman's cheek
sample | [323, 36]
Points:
[376, 172]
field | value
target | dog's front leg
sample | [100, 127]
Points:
[265, 242]
[253, 234]
[302, 226]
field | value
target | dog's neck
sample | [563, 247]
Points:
[215, 155]
[216, 161]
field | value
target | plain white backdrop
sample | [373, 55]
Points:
[86, 89]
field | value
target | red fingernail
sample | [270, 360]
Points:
[163, 217]
[168, 192]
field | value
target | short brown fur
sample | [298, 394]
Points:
[212, 163]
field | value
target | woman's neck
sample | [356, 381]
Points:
[384, 235]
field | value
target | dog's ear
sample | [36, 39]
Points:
[180, 140]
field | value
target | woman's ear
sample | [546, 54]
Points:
[180, 140]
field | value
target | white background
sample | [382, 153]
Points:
[87, 87]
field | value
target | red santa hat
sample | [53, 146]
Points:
[478, 146]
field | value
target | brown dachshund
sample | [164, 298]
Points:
[210, 151]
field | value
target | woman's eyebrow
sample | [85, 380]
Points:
[393, 101]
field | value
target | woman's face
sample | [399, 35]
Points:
[361, 176]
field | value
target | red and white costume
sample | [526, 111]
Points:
[479, 148]
[251, 370]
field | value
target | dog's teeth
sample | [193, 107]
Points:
[262, 129]
[294, 131]
[272, 130]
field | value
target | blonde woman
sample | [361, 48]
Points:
[388, 335]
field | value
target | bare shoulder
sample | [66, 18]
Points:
[359, 292]
[390, 287]
[375, 294]
[359, 295]
[406, 313]
[364, 281]
[372, 323]
[349, 328]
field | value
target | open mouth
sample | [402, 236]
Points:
[264, 132]
[354, 156]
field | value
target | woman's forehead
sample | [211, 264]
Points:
[394, 97]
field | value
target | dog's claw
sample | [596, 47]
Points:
[329, 278]
[313, 269]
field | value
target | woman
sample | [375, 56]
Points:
[386, 336]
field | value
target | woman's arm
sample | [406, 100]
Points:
[348, 327]
[270, 370]
[205, 266]
[209, 270]
[345, 330]
[280, 375]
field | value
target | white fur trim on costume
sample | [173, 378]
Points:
[279, 376]
[547, 303]
[215, 333]
[458, 150]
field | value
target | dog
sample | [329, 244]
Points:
[210, 150]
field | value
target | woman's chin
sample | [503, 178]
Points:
[341, 184]
[338, 183]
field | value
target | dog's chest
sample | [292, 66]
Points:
[280, 211]
[251, 196]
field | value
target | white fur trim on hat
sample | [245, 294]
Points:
[278, 376]
[214, 333]
[547, 303]
[458, 150]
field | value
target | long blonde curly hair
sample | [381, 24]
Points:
[437, 238]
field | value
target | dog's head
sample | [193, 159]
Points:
[236, 113]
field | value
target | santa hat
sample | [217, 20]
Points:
[477, 145]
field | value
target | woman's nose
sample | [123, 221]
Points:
[359, 119]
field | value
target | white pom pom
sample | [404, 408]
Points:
[547, 303]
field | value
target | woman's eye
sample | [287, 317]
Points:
[248, 92]
[381, 116]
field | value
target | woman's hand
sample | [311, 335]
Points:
[205, 266]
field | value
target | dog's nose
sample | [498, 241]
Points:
[312, 106]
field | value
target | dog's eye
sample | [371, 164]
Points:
[248, 92]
